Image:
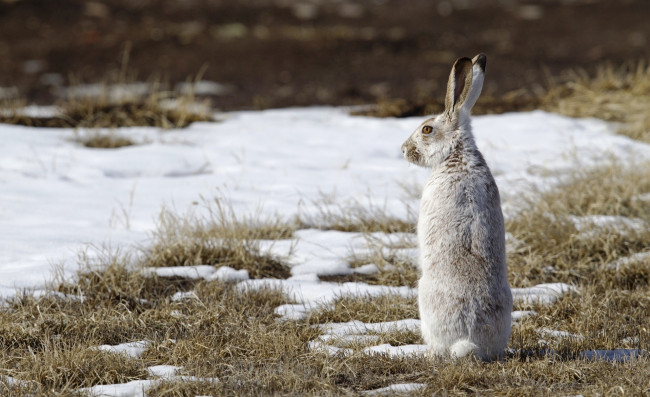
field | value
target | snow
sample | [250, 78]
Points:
[397, 388]
[558, 334]
[132, 349]
[206, 272]
[542, 293]
[138, 388]
[193, 272]
[314, 293]
[135, 388]
[163, 371]
[519, 314]
[616, 355]
[11, 381]
[203, 87]
[592, 225]
[629, 260]
[356, 331]
[60, 198]
[396, 351]
[359, 327]
[367, 269]
[228, 274]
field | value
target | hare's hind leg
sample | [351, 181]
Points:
[433, 322]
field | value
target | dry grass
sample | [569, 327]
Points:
[394, 269]
[117, 102]
[614, 94]
[220, 239]
[554, 250]
[516, 101]
[369, 309]
[231, 333]
[105, 140]
[158, 107]
[370, 218]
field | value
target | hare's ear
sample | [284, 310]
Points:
[478, 75]
[458, 87]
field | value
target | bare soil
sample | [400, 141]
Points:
[277, 53]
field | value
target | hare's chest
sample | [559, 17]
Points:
[441, 204]
[444, 217]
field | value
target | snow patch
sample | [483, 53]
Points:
[629, 260]
[131, 349]
[616, 355]
[592, 225]
[229, 275]
[135, 388]
[542, 293]
[163, 371]
[191, 272]
[397, 351]
[398, 388]
[519, 314]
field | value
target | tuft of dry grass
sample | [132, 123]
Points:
[394, 269]
[553, 249]
[355, 218]
[515, 101]
[369, 309]
[117, 102]
[221, 239]
[49, 340]
[618, 94]
[105, 140]
[232, 333]
[615, 94]
[158, 107]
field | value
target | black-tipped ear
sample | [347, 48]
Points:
[478, 75]
[481, 61]
[458, 87]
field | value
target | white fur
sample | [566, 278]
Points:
[464, 298]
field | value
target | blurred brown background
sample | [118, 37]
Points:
[274, 53]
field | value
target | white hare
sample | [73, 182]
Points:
[464, 298]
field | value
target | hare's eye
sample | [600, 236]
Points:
[426, 130]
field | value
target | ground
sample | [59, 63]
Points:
[302, 53]
[152, 244]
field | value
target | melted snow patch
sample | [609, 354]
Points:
[629, 260]
[396, 351]
[542, 293]
[135, 388]
[228, 274]
[163, 371]
[292, 312]
[356, 327]
[367, 269]
[138, 388]
[192, 272]
[11, 381]
[592, 225]
[132, 349]
[398, 388]
[308, 290]
[547, 332]
[519, 314]
[181, 295]
[616, 355]
[359, 332]
[206, 272]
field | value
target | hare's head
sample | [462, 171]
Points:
[433, 140]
